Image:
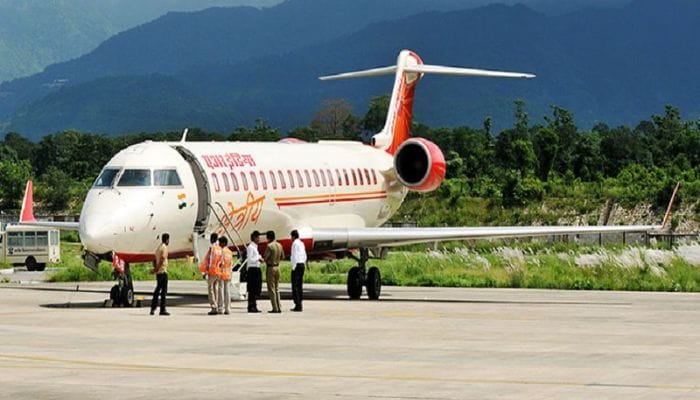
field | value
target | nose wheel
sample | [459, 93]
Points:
[122, 294]
[360, 276]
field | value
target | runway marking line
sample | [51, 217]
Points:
[84, 364]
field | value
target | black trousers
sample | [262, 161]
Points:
[254, 287]
[162, 290]
[298, 285]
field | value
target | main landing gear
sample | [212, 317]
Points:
[360, 276]
[122, 294]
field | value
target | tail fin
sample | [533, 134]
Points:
[409, 69]
[27, 213]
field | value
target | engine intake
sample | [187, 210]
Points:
[419, 165]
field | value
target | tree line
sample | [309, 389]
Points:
[524, 163]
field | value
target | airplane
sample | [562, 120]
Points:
[337, 194]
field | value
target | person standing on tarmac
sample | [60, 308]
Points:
[213, 276]
[273, 254]
[224, 295]
[204, 267]
[254, 274]
[160, 268]
[298, 259]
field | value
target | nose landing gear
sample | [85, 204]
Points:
[360, 276]
[122, 294]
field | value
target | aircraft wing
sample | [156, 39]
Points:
[344, 238]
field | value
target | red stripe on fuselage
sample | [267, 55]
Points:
[330, 200]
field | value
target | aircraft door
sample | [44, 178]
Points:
[202, 189]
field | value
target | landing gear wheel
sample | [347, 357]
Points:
[374, 283]
[115, 295]
[31, 264]
[127, 296]
[354, 283]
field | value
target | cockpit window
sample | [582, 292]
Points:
[135, 177]
[166, 177]
[106, 178]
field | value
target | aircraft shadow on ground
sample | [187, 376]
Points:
[176, 299]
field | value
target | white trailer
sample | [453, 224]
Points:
[32, 246]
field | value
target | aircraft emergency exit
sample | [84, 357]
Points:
[337, 194]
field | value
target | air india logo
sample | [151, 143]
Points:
[238, 218]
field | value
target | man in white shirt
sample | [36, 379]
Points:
[298, 259]
[254, 274]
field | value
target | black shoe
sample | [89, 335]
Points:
[226, 312]
[164, 313]
[153, 311]
[213, 312]
[253, 311]
[296, 309]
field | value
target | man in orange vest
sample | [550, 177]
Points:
[224, 295]
[212, 264]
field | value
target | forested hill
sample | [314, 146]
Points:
[616, 65]
[37, 33]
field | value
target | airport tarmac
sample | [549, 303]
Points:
[415, 343]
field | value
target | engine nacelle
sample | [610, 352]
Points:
[419, 165]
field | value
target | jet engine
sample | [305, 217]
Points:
[419, 165]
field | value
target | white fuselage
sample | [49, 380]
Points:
[234, 188]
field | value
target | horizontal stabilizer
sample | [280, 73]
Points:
[456, 71]
[429, 69]
[362, 74]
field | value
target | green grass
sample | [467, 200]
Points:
[485, 264]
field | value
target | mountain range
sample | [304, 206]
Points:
[222, 67]
[37, 33]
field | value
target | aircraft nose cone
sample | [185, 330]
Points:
[94, 236]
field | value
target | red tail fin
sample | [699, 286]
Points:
[27, 213]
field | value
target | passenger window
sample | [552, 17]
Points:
[166, 177]
[316, 181]
[299, 180]
[263, 181]
[106, 178]
[273, 180]
[374, 177]
[244, 181]
[291, 179]
[308, 177]
[359, 173]
[30, 239]
[347, 177]
[234, 182]
[254, 180]
[354, 177]
[340, 178]
[215, 180]
[15, 239]
[367, 177]
[135, 177]
[323, 177]
[53, 237]
[226, 185]
[280, 175]
[330, 177]
[42, 239]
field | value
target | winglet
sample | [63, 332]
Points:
[667, 217]
[27, 213]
